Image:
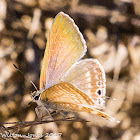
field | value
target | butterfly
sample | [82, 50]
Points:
[66, 82]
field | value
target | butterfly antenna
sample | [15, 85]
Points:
[107, 97]
[31, 101]
[25, 76]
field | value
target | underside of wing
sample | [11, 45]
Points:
[66, 92]
[84, 108]
[65, 46]
[88, 76]
[68, 98]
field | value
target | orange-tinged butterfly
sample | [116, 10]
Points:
[66, 82]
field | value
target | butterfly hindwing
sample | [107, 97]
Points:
[88, 76]
[66, 92]
[67, 97]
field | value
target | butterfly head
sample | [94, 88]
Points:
[36, 95]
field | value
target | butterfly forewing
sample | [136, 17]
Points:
[65, 46]
[88, 76]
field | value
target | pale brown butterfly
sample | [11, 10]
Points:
[66, 82]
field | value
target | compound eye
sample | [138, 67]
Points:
[37, 97]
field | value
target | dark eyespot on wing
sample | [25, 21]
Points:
[99, 92]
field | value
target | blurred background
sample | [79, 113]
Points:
[111, 29]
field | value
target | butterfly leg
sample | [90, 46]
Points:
[54, 113]
[65, 116]
[42, 112]
[57, 112]
[49, 114]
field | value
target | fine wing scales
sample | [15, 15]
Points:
[65, 46]
[89, 77]
[67, 97]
